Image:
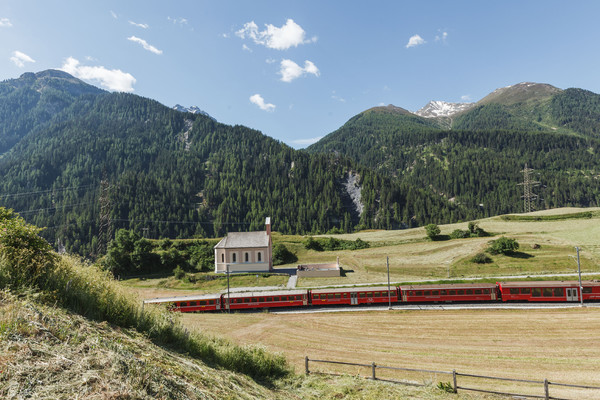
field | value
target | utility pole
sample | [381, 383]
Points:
[579, 271]
[228, 301]
[389, 291]
[105, 224]
[528, 184]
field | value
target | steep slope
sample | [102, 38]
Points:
[33, 99]
[477, 165]
[174, 174]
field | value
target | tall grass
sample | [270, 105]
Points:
[86, 290]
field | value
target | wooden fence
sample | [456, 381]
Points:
[455, 387]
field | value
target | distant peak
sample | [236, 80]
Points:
[520, 92]
[390, 108]
[192, 110]
[441, 109]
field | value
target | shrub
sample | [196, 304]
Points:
[179, 273]
[281, 255]
[432, 231]
[333, 244]
[503, 245]
[312, 244]
[460, 234]
[481, 258]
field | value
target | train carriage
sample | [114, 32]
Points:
[203, 302]
[279, 298]
[353, 296]
[448, 293]
[550, 291]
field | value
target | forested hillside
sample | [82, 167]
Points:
[173, 174]
[479, 167]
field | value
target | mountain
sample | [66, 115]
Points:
[442, 109]
[477, 163]
[33, 99]
[134, 163]
[191, 110]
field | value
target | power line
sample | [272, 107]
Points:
[51, 208]
[21, 194]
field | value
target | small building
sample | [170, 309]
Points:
[319, 270]
[245, 251]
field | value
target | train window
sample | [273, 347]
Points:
[514, 291]
[477, 291]
[183, 304]
[547, 292]
[536, 292]
[586, 290]
[559, 292]
[338, 296]
[269, 299]
[435, 292]
[298, 297]
[330, 296]
[369, 294]
[469, 291]
[443, 292]
[361, 295]
[525, 290]
[460, 292]
[211, 302]
[246, 300]
[201, 303]
[452, 292]
[261, 299]
[427, 293]
[419, 293]
[323, 296]
[486, 291]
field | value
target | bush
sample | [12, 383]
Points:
[333, 244]
[432, 231]
[281, 255]
[460, 234]
[481, 258]
[503, 245]
[179, 273]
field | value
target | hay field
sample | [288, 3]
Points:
[413, 257]
[560, 345]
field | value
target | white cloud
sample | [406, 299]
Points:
[19, 59]
[112, 79]
[414, 41]
[5, 23]
[246, 48]
[307, 141]
[145, 44]
[143, 26]
[270, 60]
[338, 98]
[441, 38]
[114, 14]
[290, 70]
[178, 21]
[466, 97]
[260, 102]
[289, 35]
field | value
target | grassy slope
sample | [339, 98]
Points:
[49, 353]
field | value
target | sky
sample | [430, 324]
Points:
[298, 70]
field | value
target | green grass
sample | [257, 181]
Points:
[559, 217]
[209, 282]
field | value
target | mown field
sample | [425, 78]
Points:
[560, 345]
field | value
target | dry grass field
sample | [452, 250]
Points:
[560, 345]
[413, 257]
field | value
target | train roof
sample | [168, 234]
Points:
[353, 289]
[449, 286]
[183, 298]
[526, 284]
[237, 295]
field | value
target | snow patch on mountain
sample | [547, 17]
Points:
[437, 109]
[192, 110]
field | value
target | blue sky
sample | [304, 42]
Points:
[298, 70]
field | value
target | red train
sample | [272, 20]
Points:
[542, 291]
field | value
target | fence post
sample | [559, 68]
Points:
[546, 389]
[306, 365]
[373, 368]
[454, 386]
